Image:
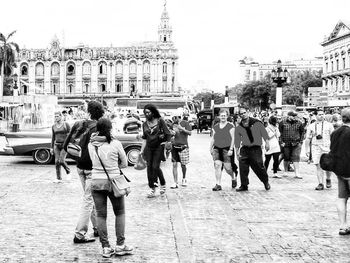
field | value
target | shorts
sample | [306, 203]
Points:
[224, 158]
[180, 156]
[343, 188]
[316, 152]
[292, 153]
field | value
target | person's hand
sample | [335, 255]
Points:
[238, 155]
[230, 152]
[51, 151]
[267, 146]
[282, 144]
[211, 150]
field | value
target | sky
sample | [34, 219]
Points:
[211, 36]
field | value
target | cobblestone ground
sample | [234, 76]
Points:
[290, 223]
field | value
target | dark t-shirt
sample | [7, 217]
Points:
[222, 137]
[152, 134]
[181, 137]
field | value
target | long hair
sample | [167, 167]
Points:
[104, 127]
[152, 108]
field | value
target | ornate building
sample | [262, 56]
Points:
[336, 63]
[148, 68]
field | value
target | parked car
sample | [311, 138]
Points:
[38, 143]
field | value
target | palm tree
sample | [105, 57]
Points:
[8, 52]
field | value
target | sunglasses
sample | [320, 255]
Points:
[241, 113]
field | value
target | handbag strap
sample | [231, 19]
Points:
[96, 148]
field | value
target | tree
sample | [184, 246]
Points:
[7, 58]
[207, 96]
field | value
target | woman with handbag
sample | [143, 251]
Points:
[108, 156]
[155, 132]
[274, 150]
[60, 131]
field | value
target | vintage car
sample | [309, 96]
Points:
[38, 143]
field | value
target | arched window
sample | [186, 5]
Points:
[146, 67]
[71, 69]
[165, 68]
[86, 68]
[103, 88]
[132, 67]
[39, 70]
[119, 67]
[55, 69]
[24, 70]
[102, 68]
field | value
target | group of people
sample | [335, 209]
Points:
[254, 140]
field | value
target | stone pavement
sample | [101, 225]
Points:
[290, 223]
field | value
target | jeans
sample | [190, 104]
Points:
[87, 209]
[60, 159]
[252, 157]
[100, 199]
[275, 161]
[153, 158]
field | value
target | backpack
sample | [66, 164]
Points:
[80, 139]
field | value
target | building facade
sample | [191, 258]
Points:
[336, 64]
[146, 68]
[251, 70]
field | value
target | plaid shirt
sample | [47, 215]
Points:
[292, 133]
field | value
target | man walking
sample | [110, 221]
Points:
[180, 150]
[319, 134]
[292, 135]
[84, 166]
[248, 141]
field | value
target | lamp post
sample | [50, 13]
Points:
[279, 76]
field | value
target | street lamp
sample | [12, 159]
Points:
[15, 87]
[279, 76]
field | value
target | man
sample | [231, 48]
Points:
[248, 141]
[84, 167]
[292, 135]
[180, 150]
[319, 136]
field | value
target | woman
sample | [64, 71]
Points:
[221, 148]
[60, 130]
[111, 153]
[155, 132]
[274, 150]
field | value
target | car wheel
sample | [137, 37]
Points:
[42, 156]
[132, 153]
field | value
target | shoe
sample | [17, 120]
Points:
[123, 250]
[290, 169]
[344, 231]
[234, 183]
[298, 177]
[107, 252]
[67, 170]
[83, 240]
[174, 186]
[328, 183]
[267, 186]
[95, 233]
[242, 188]
[184, 182]
[152, 193]
[156, 184]
[217, 188]
[162, 189]
[278, 169]
[319, 187]
[276, 176]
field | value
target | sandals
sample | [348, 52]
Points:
[344, 231]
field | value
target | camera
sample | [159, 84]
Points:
[319, 137]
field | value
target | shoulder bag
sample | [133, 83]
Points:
[120, 185]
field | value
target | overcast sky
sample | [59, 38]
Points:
[211, 36]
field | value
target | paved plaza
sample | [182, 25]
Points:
[290, 223]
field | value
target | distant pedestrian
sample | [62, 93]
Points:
[155, 132]
[292, 135]
[84, 167]
[105, 149]
[222, 151]
[336, 120]
[60, 130]
[274, 150]
[180, 152]
[249, 135]
[319, 134]
[340, 150]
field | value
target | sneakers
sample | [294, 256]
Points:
[319, 187]
[174, 186]
[85, 239]
[152, 193]
[276, 176]
[217, 188]
[328, 183]
[107, 252]
[162, 189]
[123, 250]
[184, 182]
[298, 177]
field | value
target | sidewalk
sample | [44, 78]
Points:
[290, 223]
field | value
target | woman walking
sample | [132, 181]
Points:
[155, 133]
[108, 152]
[221, 148]
[60, 130]
[274, 150]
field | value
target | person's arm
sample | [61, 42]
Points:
[186, 129]
[69, 136]
[165, 128]
[122, 155]
[53, 137]
[232, 133]
[264, 135]
[211, 146]
[237, 141]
